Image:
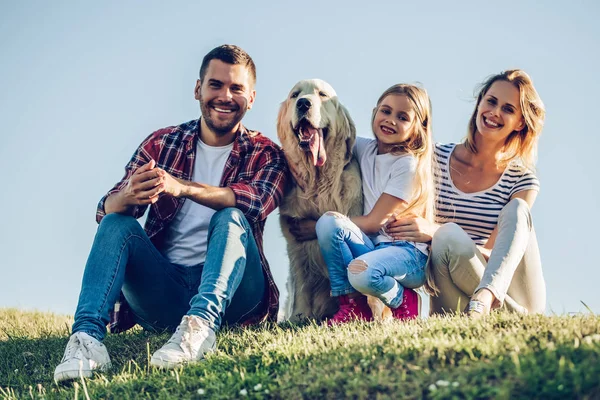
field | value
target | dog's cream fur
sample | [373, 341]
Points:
[327, 178]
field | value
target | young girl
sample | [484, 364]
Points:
[396, 173]
[484, 252]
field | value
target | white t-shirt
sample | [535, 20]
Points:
[187, 235]
[385, 173]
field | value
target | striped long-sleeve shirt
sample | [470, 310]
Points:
[256, 171]
[476, 213]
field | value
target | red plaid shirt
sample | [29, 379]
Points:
[255, 171]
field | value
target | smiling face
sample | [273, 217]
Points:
[499, 112]
[393, 121]
[225, 93]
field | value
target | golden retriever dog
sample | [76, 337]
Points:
[317, 136]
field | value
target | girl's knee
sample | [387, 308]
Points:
[329, 223]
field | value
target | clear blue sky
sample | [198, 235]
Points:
[82, 83]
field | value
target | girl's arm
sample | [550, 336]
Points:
[385, 207]
[529, 196]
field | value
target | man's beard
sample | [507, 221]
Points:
[221, 128]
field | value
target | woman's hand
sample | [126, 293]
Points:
[410, 228]
[303, 229]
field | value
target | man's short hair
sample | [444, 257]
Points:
[230, 54]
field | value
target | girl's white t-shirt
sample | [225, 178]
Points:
[385, 173]
[187, 236]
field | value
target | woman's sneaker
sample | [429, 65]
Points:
[410, 307]
[192, 339]
[351, 309]
[83, 355]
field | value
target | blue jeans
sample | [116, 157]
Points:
[385, 269]
[124, 259]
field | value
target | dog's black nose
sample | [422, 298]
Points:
[303, 105]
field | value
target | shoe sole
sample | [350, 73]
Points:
[160, 363]
[73, 374]
[164, 364]
[70, 375]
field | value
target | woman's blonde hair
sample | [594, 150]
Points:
[420, 145]
[519, 145]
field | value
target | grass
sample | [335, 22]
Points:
[504, 356]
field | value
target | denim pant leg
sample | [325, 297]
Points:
[340, 241]
[232, 278]
[119, 246]
[388, 270]
[157, 291]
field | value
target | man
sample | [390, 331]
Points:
[198, 263]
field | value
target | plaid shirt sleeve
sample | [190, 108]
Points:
[258, 196]
[143, 154]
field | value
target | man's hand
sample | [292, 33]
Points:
[303, 229]
[173, 186]
[410, 228]
[144, 186]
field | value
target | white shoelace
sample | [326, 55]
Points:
[77, 347]
[476, 306]
[189, 337]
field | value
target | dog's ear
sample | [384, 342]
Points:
[282, 121]
[347, 125]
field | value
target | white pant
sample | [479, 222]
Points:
[513, 273]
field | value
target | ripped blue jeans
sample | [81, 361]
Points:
[355, 263]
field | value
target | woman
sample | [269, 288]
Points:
[484, 252]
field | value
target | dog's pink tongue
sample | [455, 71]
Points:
[312, 139]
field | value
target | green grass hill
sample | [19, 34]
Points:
[503, 356]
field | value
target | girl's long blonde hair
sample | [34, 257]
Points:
[519, 145]
[420, 145]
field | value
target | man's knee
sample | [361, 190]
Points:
[229, 215]
[116, 224]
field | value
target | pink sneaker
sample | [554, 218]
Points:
[410, 307]
[351, 309]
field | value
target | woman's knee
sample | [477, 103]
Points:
[450, 237]
[516, 208]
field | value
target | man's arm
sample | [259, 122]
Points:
[214, 197]
[259, 196]
[256, 197]
[129, 195]
[142, 189]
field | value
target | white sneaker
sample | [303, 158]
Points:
[83, 355]
[192, 339]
